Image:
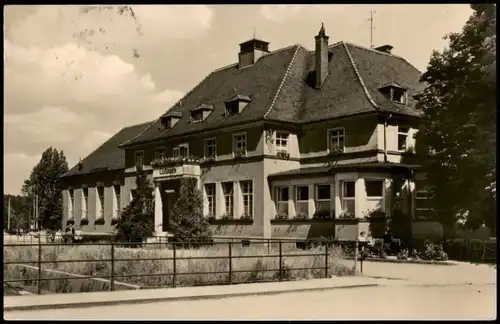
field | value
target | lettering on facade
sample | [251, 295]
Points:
[167, 171]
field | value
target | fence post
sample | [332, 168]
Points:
[355, 257]
[280, 260]
[326, 260]
[174, 265]
[230, 263]
[112, 286]
[39, 286]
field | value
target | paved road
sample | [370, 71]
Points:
[391, 302]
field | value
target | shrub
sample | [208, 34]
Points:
[84, 221]
[188, 223]
[210, 217]
[403, 254]
[347, 215]
[281, 216]
[301, 215]
[69, 222]
[227, 216]
[322, 214]
[99, 221]
[114, 221]
[136, 222]
[377, 213]
[246, 216]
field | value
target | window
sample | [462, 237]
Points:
[71, 206]
[197, 116]
[232, 108]
[348, 196]
[323, 197]
[247, 192]
[240, 144]
[139, 158]
[210, 194]
[100, 194]
[399, 95]
[281, 141]
[423, 206]
[175, 152]
[85, 202]
[282, 200]
[402, 137]
[301, 199]
[336, 139]
[160, 153]
[227, 189]
[395, 94]
[210, 148]
[374, 188]
[375, 194]
[117, 190]
[182, 150]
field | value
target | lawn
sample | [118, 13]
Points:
[250, 264]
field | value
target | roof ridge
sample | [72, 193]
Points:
[140, 133]
[282, 81]
[360, 79]
[383, 53]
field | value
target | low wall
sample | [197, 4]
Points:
[30, 273]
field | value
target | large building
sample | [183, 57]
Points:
[285, 143]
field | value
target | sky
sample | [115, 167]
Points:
[75, 75]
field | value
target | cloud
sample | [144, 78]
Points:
[280, 13]
[61, 92]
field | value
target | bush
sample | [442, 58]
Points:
[71, 222]
[188, 223]
[431, 252]
[281, 216]
[227, 216]
[403, 254]
[84, 221]
[322, 214]
[246, 216]
[301, 216]
[100, 221]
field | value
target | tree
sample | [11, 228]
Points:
[188, 223]
[20, 212]
[459, 127]
[45, 183]
[136, 223]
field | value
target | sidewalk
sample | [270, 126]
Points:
[35, 302]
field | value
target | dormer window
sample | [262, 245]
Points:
[394, 92]
[170, 119]
[236, 104]
[201, 112]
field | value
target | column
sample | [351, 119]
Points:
[311, 208]
[333, 200]
[220, 205]
[109, 207]
[360, 197]
[93, 199]
[65, 199]
[337, 197]
[291, 200]
[158, 210]
[77, 208]
[238, 200]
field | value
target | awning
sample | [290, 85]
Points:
[331, 169]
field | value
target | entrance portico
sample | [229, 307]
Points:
[167, 181]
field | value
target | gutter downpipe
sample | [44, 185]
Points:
[385, 137]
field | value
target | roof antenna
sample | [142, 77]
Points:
[372, 27]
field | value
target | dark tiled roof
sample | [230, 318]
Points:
[279, 88]
[108, 156]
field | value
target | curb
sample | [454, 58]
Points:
[443, 263]
[173, 299]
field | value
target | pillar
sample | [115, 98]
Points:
[311, 208]
[360, 197]
[158, 210]
[291, 200]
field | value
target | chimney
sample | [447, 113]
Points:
[385, 48]
[321, 57]
[251, 51]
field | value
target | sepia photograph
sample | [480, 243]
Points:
[250, 162]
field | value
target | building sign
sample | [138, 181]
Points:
[167, 171]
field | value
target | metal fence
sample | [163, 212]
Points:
[325, 252]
